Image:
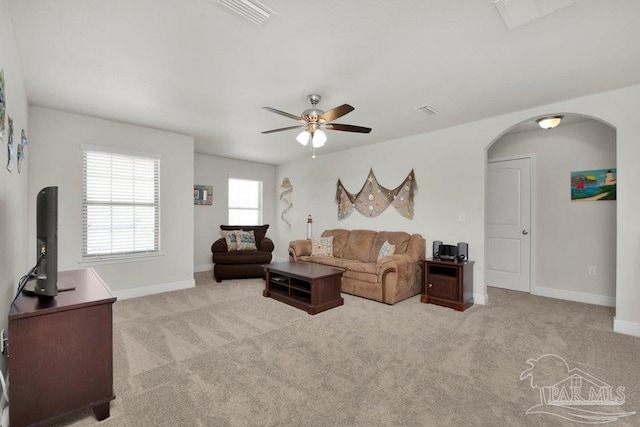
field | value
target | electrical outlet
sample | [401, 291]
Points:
[462, 217]
[591, 270]
[3, 341]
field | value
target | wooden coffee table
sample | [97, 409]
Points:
[307, 286]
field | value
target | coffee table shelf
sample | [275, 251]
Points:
[310, 287]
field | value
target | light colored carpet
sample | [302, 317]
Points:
[221, 354]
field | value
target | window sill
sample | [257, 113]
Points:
[120, 259]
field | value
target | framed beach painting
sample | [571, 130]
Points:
[593, 185]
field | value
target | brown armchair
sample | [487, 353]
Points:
[233, 264]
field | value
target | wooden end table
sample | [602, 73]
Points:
[448, 283]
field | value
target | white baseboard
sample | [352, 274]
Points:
[203, 267]
[481, 299]
[574, 296]
[627, 328]
[153, 289]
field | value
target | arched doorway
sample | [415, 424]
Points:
[572, 242]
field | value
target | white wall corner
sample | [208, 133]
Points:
[627, 328]
[202, 267]
[153, 289]
[583, 297]
[481, 299]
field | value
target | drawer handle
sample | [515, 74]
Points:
[430, 285]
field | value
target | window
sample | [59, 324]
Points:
[245, 202]
[120, 204]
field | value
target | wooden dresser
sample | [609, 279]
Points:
[61, 351]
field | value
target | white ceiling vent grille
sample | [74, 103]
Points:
[428, 109]
[251, 10]
[516, 13]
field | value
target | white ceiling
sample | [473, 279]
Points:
[194, 67]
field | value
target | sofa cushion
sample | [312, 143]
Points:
[245, 240]
[243, 257]
[322, 246]
[230, 239]
[359, 245]
[259, 231]
[398, 238]
[340, 238]
[364, 271]
[329, 261]
[386, 249]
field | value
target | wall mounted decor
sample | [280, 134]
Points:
[373, 198]
[2, 104]
[202, 194]
[10, 145]
[284, 196]
[23, 142]
[594, 185]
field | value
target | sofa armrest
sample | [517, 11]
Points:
[298, 248]
[219, 245]
[393, 262]
[266, 245]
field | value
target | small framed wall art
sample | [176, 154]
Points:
[591, 185]
[202, 194]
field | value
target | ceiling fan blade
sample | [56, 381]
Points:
[337, 112]
[281, 129]
[347, 128]
[283, 113]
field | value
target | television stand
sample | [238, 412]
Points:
[61, 352]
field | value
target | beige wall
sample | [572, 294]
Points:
[13, 185]
[56, 159]
[569, 235]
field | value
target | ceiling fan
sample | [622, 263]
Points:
[313, 121]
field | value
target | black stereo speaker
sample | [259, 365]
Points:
[449, 252]
[436, 248]
[463, 251]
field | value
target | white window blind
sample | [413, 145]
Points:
[121, 205]
[245, 202]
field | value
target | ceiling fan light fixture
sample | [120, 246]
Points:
[303, 138]
[549, 122]
[319, 138]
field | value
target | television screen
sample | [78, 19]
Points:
[47, 242]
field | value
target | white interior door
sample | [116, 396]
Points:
[508, 228]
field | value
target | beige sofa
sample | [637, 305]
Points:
[389, 280]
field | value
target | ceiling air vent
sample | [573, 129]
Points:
[428, 109]
[515, 13]
[251, 10]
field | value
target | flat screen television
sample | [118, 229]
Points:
[47, 240]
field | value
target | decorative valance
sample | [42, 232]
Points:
[373, 198]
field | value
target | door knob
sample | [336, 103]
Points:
[525, 232]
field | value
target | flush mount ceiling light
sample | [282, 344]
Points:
[314, 120]
[549, 122]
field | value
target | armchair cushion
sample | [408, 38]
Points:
[245, 240]
[230, 239]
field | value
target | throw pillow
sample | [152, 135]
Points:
[322, 246]
[246, 240]
[230, 238]
[387, 249]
